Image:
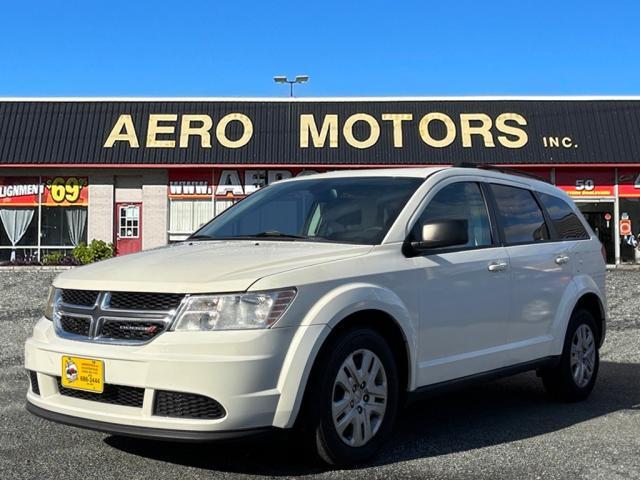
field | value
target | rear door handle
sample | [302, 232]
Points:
[562, 259]
[498, 266]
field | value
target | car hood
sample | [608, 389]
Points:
[200, 267]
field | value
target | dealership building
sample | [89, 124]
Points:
[145, 172]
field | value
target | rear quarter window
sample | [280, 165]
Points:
[565, 221]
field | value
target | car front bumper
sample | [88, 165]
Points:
[238, 369]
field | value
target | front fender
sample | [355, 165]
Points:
[316, 325]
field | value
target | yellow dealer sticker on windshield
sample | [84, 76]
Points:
[83, 374]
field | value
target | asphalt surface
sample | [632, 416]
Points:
[504, 429]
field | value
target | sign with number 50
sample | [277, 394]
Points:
[586, 184]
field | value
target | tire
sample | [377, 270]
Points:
[566, 381]
[365, 420]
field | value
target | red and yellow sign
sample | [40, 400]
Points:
[50, 191]
[629, 182]
[586, 183]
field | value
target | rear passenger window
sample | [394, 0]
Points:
[564, 219]
[521, 217]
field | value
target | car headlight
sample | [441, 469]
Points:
[236, 311]
[53, 302]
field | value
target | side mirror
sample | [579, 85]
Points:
[439, 234]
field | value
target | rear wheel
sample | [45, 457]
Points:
[575, 375]
[352, 402]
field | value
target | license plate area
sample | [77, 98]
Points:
[80, 373]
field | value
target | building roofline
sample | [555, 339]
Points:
[331, 99]
[275, 166]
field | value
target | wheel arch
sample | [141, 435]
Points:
[363, 305]
[592, 303]
[384, 324]
[583, 292]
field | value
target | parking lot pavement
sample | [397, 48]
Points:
[504, 429]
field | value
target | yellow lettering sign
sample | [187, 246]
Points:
[123, 131]
[221, 130]
[154, 129]
[329, 129]
[374, 130]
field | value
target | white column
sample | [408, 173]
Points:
[155, 211]
[100, 214]
[616, 220]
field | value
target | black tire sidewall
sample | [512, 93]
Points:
[330, 447]
[565, 376]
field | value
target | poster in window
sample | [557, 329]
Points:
[53, 191]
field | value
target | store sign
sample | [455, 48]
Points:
[225, 183]
[193, 184]
[629, 182]
[49, 191]
[358, 130]
[243, 133]
[19, 191]
[586, 183]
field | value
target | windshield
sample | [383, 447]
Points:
[347, 210]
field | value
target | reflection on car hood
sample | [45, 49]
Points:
[204, 266]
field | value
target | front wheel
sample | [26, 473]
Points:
[356, 398]
[575, 375]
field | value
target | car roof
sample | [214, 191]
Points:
[421, 172]
[374, 172]
[446, 171]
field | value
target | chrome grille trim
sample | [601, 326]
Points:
[101, 312]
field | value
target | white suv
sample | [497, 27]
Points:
[323, 303]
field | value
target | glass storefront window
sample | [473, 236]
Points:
[38, 213]
[630, 208]
[63, 226]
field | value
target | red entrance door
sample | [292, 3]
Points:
[128, 228]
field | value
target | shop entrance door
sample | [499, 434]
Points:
[600, 217]
[128, 228]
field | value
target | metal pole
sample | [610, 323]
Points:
[616, 220]
[291, 89]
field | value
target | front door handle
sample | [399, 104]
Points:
[562, 259]
[498, 266]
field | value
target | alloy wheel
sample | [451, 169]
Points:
[583, 355]
[359, 398]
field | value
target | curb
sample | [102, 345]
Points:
[35, 268]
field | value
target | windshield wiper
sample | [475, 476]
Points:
[267, 234]
[276, 234]
[199, 237]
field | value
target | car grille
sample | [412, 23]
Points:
[113, 394]
[131, 330]
[145, 301]
[86, 298]
[75, 325]
[33, 376]
[126, 317]
[186, 405]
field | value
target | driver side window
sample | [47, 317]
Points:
[459, 201]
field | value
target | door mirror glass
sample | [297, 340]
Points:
[443, 233]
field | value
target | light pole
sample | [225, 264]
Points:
[298, 79]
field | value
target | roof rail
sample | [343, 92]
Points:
[498, 168]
